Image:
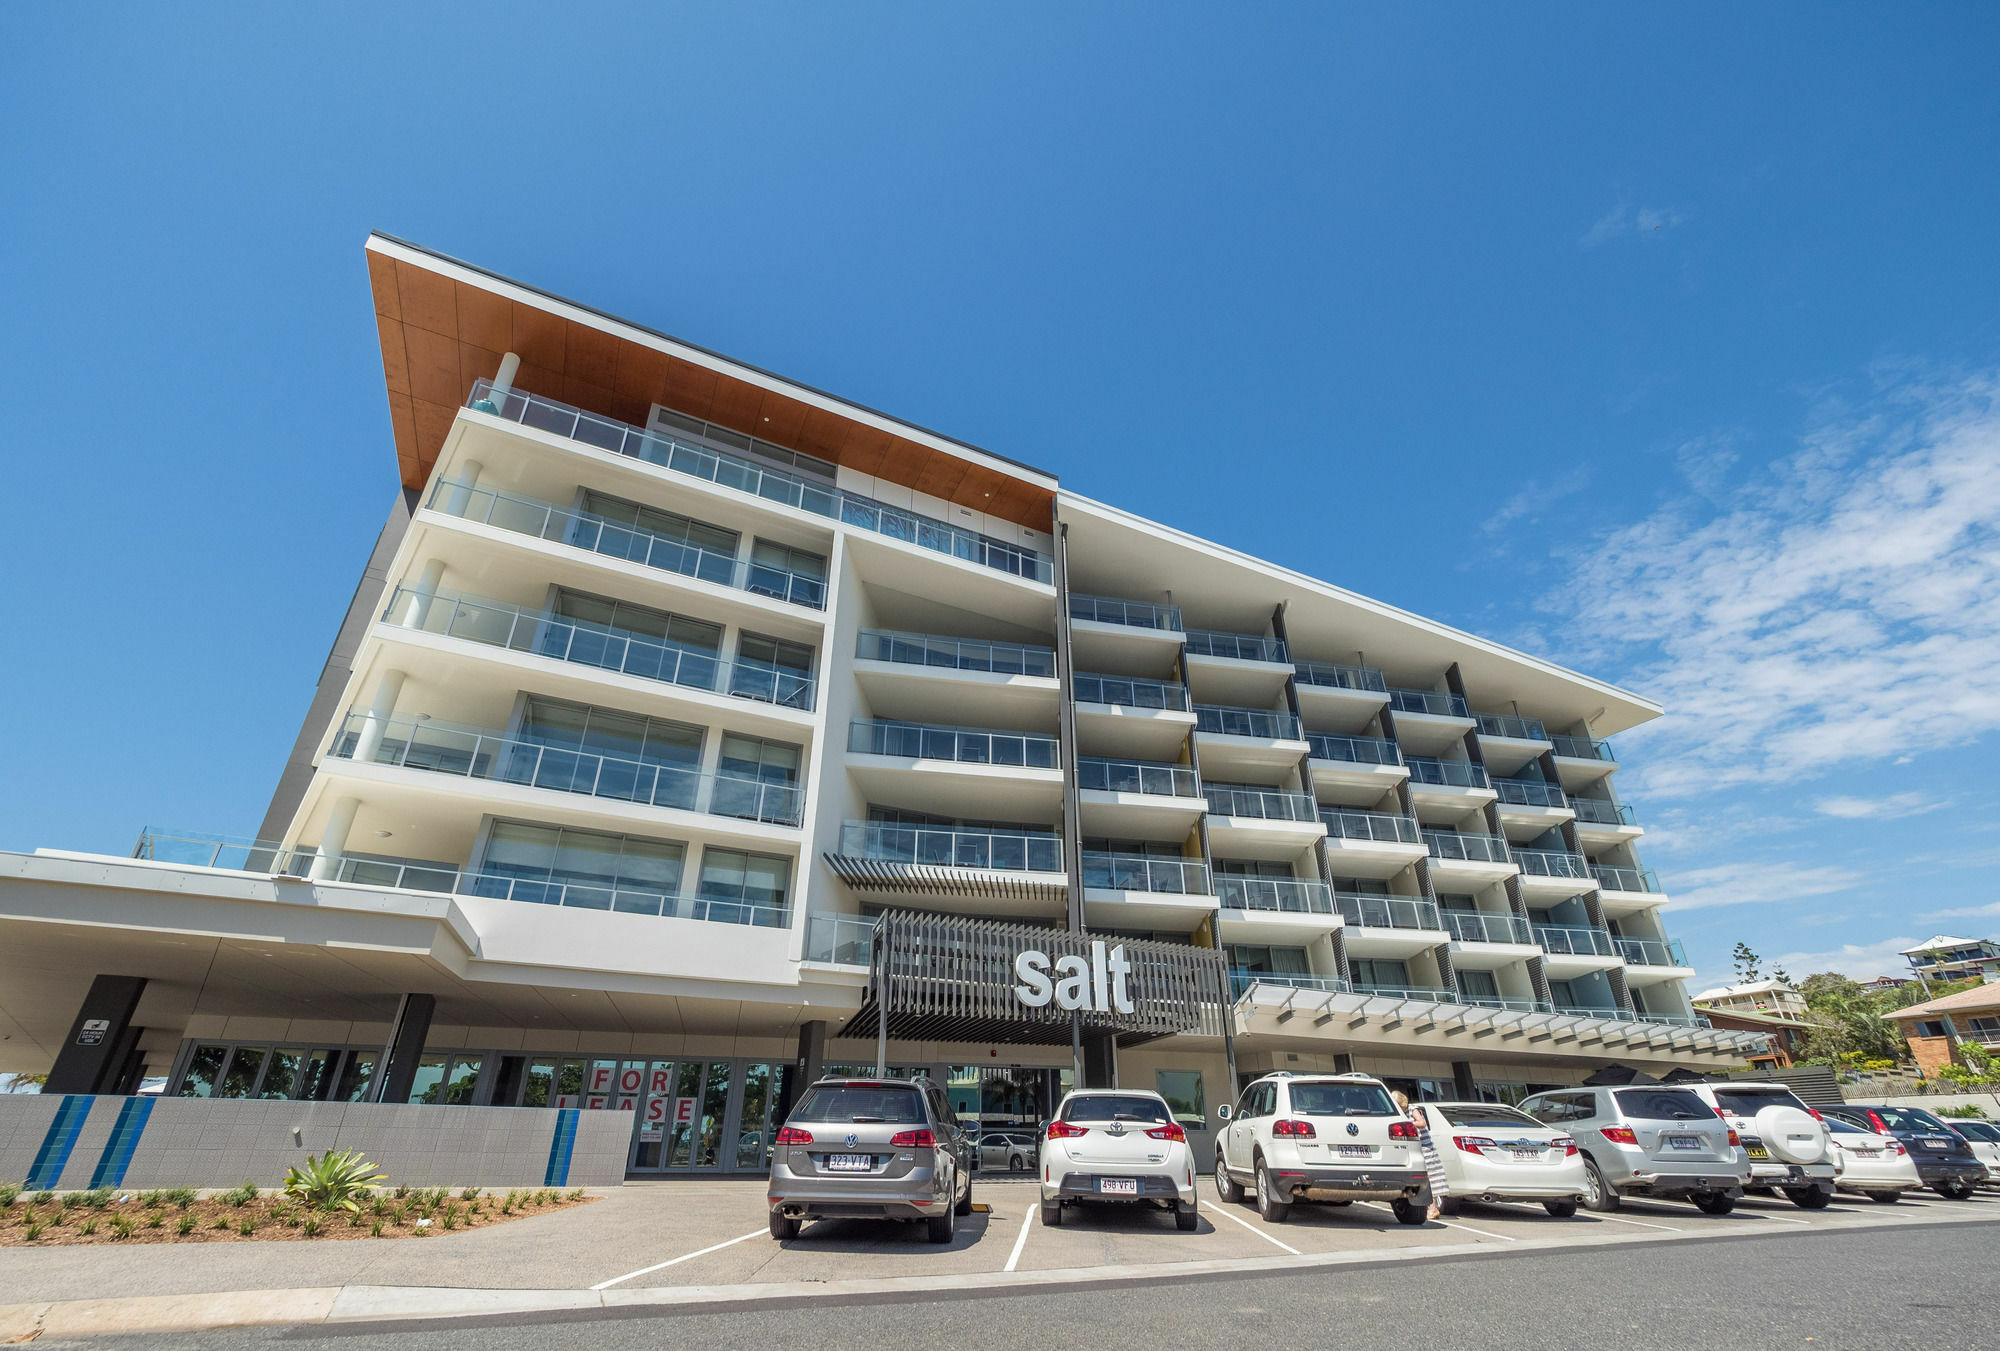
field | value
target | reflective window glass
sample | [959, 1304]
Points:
[204, 1070]
[240, 1078]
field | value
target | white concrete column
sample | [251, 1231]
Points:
[510, 366]
[425, 588]
[387, 691]
[462, 485]
[333, 839]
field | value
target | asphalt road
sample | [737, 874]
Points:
[1922, 1288]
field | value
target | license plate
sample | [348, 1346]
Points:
[849, 1163]
[1684, 1141]
[1865, 1153]
[1757, 1151]
[1355, 1151]
[1932, 1142]
[1118, 1186]
[1530, 1155]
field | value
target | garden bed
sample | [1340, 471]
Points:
[244, 1215]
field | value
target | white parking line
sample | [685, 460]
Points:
[1781, 1219]
[1470, 1230]
[1028, 1216]
[674, 1262]
[1641, 1223]
[1218, 1210]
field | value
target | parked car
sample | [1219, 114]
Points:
[1008, 1149]
[1944, 1160]
[1495, 1153]
[1984, 1139]
[1333, 1138]
[1871, 1164]
[1121, 1146]
[1648, 1141]
[1784, 1141]
[871, 1149]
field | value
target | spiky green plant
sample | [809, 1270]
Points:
[335, 1180]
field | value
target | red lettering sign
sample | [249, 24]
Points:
[600, 1078]
[683, 1111]
[662, 1075]
[629, 1081]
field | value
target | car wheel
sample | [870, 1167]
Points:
[783, 1227]
[940, 1228]
[1449, 1205]
[964, 1206]
[1269, 1206]
[1808, 1198]
[1562, 1210]
[1017, 1164]
[1226, 1187]
[1052, 1214]
[1597, 1195]
[1186, 1219]
[1714, 1203]
[1885, 1198]
[1408, 1211]
[1955, 1191]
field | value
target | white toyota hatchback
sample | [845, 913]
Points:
[1117, 1145]
[1871, 1165]
[1494, 1153]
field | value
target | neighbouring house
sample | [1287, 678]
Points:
[1881, 983]
[1931, 1027]
[1772, 998]
[1787, 1034]
[1945, 958]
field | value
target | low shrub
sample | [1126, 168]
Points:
[179, 1196]
[97, 1198]
[239, 1196]
[148, 1200]
[122, 1226]
[10, 1192]
[184, 1225]
[35, 1230]
[311, 1226]
[375, 1229]
[247, 1226]
[44, 1197]
[88, 1227]
[156, 1219]
[334, 1180]
[471, 1194]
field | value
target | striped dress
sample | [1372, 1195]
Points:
[1433, 1165]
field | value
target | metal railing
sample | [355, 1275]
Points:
[1616, 1015]
[1429, 701]
[1145, 872]
[542, 634]
[1499, 1001]
[1471, 926]
[1327, 675]
[1262, 804]
[1238, 646]
[1264, 723]
[1446, 773]
[614, 539]
[1599, 812]
[1365, 910]
[1428, 994]
[1508, 725]
[1466, 846]
[966, 745]
[841, 940]
[1131, 692]
[1136, 776]
[732, 471]
[1358, 750]
[952, 846]
[1379, 826]
[1624, 879]
[1553, 863]
[233, 853]
[1575, 940]
[713, 909]
[475, 753]
[1652, 952]
[1136, 614]
[1583, 748]
[1529, 793]
[1675, 1019]
[955, 654]
[1242, 980]
[1289, 895]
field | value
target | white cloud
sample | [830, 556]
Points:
[1759, 883]
[1888, 808]
[1537, 497]
[1963, 912]
[1639, 222]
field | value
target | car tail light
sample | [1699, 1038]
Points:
[1301, 1130]
[1173, 1131]
[1877, 1122]
[1473, 1144]
[1735, 1140]
[916, 1139]
[1402, 1130]
[1894, 1147]
[1062, 1130]
[792, 1135]
[1814, 1113]
[1620, 1135]
[1568, 1145]
[1724, 1115]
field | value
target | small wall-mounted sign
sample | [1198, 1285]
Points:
[92, 1031]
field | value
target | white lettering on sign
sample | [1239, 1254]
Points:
[1097, 985]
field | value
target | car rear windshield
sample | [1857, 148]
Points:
[861, 1102]
[1484, 1116]
[1661, 1104]
[1839, 1127]
[1982, 1131]
[1117, 1107]
[1342, 1100]
[1907, 1119]
[1750, 1101]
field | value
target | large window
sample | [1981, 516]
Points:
[312, 1074]
[555, 866]
[1377, 971]
[757, 779]
[1479, 984]
[1182, 1090]
[772, 669]
[1273, 961]
[708, 552]
[669, 647]
[740, 888]
[580, 749]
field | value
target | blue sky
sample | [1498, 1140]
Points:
[1661, 343]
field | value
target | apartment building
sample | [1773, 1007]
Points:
[693, 732]
[1948, 958]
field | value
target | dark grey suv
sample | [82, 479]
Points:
[877, 1149]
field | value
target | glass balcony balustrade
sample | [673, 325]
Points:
[1583, 748]
[1136, 776]
[1426, 994]
[734, 471]
[1355, 750]
[191, 849]
[1263, 723]
[1235, 646]
[1366, 910]
[955, 654]
[1624, 879]
[475, 753]
[1508, 725]
[1289, 895]
[1675, 1019]
[1429, 701]
[1530, 793]
[966, 745]
[1378, 826]
[1131, 613]
[839, 940]
[1553, 863]
[1466, 846]
[1131, 692]
[953, 846]
[1606, 1012]
[1469, 926]
[614, 539]
[1242, 980]
[1508, 1002]
[1260, 804]
[1144, 872]
[1598, 812]
[543, 634]
[1446, 773]
[1652, 952]
[1328, 675]
[1575, 940]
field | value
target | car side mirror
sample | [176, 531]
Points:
[1223, 1112]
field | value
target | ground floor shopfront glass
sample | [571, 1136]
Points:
[688, 1116]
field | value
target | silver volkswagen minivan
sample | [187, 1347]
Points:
[878, 1149]
[1649, 1140]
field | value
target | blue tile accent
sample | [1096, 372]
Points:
[53, 1156]
[560, 1148]
[117, 1155]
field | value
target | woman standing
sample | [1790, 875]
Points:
[1433, 1164]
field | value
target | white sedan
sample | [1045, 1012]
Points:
[1494, 1153]
[1872, 1165]
[1984, 1138]
[1121, 1146]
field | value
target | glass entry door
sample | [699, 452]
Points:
[700, 1116]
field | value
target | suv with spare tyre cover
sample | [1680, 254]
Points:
[1785, 1142]
[1328, 1138]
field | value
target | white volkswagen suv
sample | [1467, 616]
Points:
[1120, 1145]
[1333, 1138]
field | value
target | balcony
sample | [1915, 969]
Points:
[932, 679]
[973, 773]
[1249, 822]
[1139, 799]
[1342, 696]
[1365, 910]
[1234, 646]
[1583, 748]
[1283, 910]
[955, 654]
[1510, 1004]
[1359, 768]
[1470, 926]
[1241, 669]
[1551, 871]
[839, 940]
[1429, 703]
[1652, 952]
[1375, 827]
[1130, 717]
[1578, 940]
[743, 475]
[1131, 891]
[1354, 750]
[1581, 762]
[1260, 804]
[1261, 724]
[1242, 980]
[1247, 742]
[1511, 727]
[1327, 676]
[1446, 773]
[1421, 994]
[1638, 880]
[1605, 1012]
[984, 864]
[1371, 844]
[1592, 811]
[1466, 847]
[1429, 722]
[1107, 633]
[964, 745]
[1530, 793]
[613, 539]
[1128, 613]
[1132, 692]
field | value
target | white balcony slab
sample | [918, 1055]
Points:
[1335, 708]
[1490, 956]
[1353, 783]
[1124, 649]
[1456, 875]
[1176, 912]
[1597, 835]
[1565, 965]
[1261, 838]
[1544, 890]
[953, 788]
[948, 696]
[1619, 904]
[1246, 758]
[1290, 928]
[1235, 682]
[1122, 732]
[1370, 858]
[1524, 822]
[1506, 756]
[1449, 797]
[1431, 733]
[1577, 773]
[1399, 944]
[1139, 816]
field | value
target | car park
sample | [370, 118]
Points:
[1983, 1137]
[1495, 1153]
[1651, 1141]
[1784, 1141]
[1871, 1164]
[1008, 1150]
[1945, 1162]
[871, 1149]
[1323, 1138]
[1120, 1146]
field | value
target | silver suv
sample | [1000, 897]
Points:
[1785, 1142]
[879, 1149]
[1654, 1141]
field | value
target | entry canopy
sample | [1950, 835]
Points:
[950, 978]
